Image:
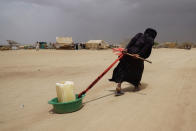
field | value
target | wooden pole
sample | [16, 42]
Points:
[139, 58]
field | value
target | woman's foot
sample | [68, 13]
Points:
[118, 91]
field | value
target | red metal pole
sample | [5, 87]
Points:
[100, 76]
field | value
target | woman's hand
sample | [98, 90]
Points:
[124, 51]
[135, 55]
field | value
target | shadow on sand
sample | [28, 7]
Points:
[99, 98]
[130, 88]
[126, 89]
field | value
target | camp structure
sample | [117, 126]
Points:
[64, 43]
[4, 47]
[13, 44]
[28, 46]
[185, 45]
[169, 45]
[96, 44]
[43, 45]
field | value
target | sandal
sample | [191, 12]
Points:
[118, 92]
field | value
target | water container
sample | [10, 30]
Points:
[65, 91]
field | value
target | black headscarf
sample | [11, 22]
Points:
[149, 32]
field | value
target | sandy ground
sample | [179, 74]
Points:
[167, 101]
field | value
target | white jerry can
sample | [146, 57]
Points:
[65, 91]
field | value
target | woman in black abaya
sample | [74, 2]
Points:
[130, 69]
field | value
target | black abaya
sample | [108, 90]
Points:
[131, 69]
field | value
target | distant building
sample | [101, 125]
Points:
[96, 44]
[170, 44]
[185, 45]
[42, 45]
[64, 42]
[13, 44]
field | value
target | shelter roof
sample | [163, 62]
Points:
[94, 41]
[64, 40]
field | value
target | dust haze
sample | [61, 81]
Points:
[27, 21]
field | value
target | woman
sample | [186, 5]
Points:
[130, 69]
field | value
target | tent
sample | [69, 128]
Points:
[96, 44]
[13, 44]
[43, 45]
[64, 42]
[170, 44]
[185, 45]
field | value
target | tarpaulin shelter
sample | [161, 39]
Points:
[170, 44]
[64, 42]
[42, 45]
[96, 44]
[13, 44]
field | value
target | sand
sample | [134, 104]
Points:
[166, 102]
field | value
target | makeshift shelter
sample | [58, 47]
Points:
[42, 45]
[64, 42]
[28, 46]
[5, 47]
[170, 44]
[185, 45]
[13, 44]
[96, 44]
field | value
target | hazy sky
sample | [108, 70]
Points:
[28, 21]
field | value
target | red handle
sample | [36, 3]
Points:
[100, 76]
